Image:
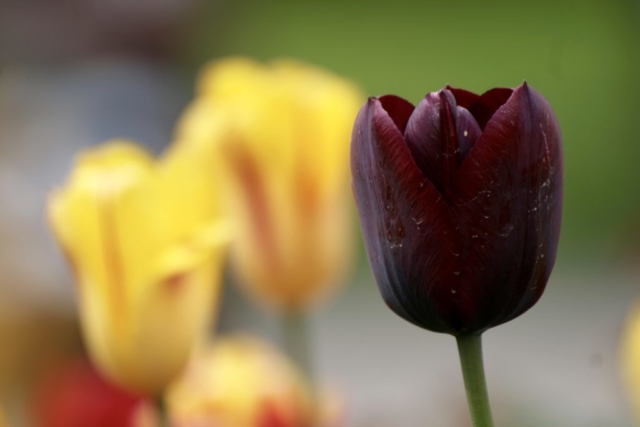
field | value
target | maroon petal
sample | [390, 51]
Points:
[488, 103]
[508, 197]
[401, 214]
[432, 138]
[398, 109]
[464, 98]
[468, 131]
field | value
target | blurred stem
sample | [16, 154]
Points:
[470, 349]
[161, 409]
[297, 342]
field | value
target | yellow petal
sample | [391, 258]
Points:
[281, 135]
[146, 242]
[230, 77]
[630, 359]
[323, 109]
[91, 218]
[168, 319]
[230, 383]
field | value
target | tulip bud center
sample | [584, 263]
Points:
[439, 135]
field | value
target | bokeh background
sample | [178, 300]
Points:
[74, 73]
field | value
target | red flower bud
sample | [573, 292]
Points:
[460, 201]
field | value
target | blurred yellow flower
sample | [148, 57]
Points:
[241, 381]
[281, 133]
[3, 422]
[630, 360]
[145, 241]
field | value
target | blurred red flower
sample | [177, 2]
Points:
[75, 395]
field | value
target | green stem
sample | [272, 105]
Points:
[470, 349]
[161, 410]
[297, 344]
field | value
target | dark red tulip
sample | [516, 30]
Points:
[460, 201]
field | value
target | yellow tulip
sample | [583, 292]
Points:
[145, 242]
[281, 134]
[241, 381]
[630, 360]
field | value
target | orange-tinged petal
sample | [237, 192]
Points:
[242, 381]
[280, 134]
[239, 381]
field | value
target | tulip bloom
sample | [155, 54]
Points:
[145, 244]
[460, 202]
[240, 381]
[281, 135]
